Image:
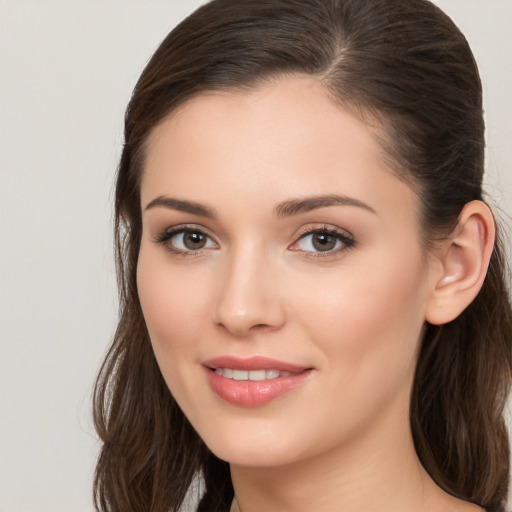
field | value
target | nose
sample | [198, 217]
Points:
[249, 300]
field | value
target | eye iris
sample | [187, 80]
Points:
[194, 240]
[324, 241]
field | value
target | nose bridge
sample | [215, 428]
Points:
[248, 293]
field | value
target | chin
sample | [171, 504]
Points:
[252, 456]
[252, 449]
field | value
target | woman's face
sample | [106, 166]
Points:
[280, 251]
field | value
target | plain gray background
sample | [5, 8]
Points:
[67, 69]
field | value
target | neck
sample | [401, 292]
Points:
[375, 470]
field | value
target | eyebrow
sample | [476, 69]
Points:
[287, 208]
[182, 206]
[302, 205]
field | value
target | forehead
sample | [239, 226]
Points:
[285, 138]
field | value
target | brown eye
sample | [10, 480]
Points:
[186, 240]
[194, 240]
[323, 241]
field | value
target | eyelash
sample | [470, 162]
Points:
[344, 237]
[167, 235]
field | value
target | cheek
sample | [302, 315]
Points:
[172, 304]
[369, 322]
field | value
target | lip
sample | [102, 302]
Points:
[253, 363]
[253, 393]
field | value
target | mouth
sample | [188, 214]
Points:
[253, 375]
[254, 381]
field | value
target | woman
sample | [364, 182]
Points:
[313, 305]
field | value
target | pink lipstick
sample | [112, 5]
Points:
[254, 381]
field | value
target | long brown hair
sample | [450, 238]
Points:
[404, 63]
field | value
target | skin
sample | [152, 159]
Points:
[355, 314]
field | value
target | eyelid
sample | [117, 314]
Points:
[167, 234]
[341, 234]
[347, 239]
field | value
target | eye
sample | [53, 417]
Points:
[323, 240]
[186, 240]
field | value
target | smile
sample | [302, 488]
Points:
[253, 375]
[255, 381]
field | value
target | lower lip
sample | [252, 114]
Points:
[254, 393]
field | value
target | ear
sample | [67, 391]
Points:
[461, 264]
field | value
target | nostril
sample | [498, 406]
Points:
[261, 327]
[244, 330]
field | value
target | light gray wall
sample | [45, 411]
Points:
[66, 72]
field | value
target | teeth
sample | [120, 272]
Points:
[258, 375]
[240, 375]
[251, 375]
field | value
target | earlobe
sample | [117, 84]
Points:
[464, 259]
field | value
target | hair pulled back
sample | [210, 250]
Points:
[403, 63]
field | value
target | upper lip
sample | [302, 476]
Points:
[253, 363]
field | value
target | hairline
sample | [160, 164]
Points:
[374, 119]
